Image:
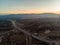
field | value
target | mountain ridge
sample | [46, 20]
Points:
[28, 16]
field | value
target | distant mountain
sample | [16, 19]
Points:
[29, 16]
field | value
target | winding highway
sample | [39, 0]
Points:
[34, 36]
[27, 33]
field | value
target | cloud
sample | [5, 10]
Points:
[18, 11]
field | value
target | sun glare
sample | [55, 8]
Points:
[57, 8]
[57, 5]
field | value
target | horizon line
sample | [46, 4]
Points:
[31, 13]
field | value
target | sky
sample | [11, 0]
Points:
[29, 6]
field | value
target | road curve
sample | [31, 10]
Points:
[27, 33]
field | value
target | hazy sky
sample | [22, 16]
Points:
[29, 6]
